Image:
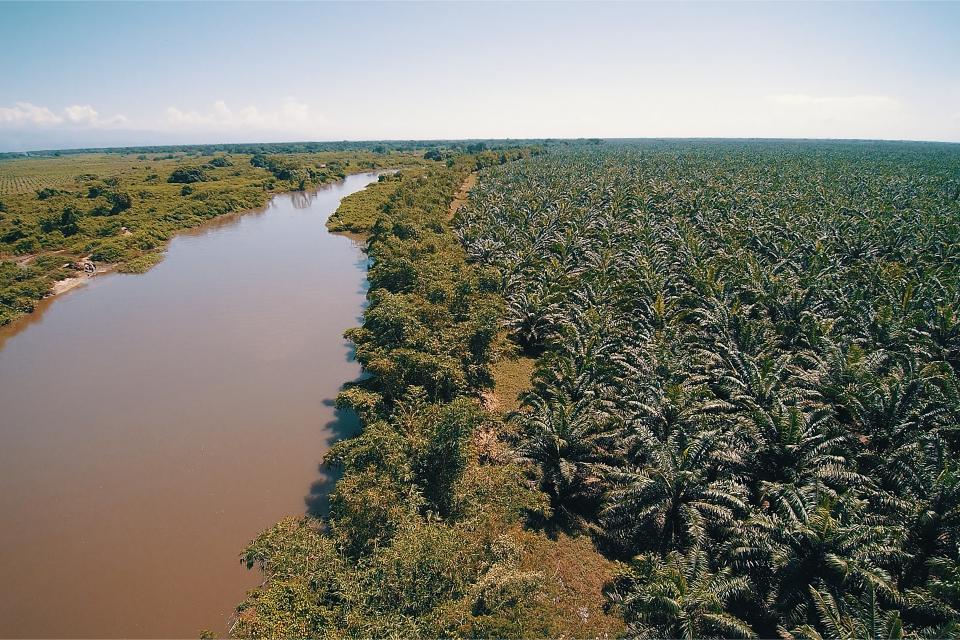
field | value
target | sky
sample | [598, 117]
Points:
[114, 74]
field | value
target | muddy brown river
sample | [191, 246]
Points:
[151, 425]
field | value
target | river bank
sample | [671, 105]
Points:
[116, 210]
[425, 534]
[147, 261]
[154, 423]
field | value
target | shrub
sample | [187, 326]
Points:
[187, 175]
[120, 201]
[25, 246]
[47, 192]
[66, 222]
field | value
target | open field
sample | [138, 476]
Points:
[27, 175]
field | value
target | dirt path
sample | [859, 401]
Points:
[461, 197]
[23, 261]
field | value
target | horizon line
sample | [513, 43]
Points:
[80, 149]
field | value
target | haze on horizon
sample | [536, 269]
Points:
[92, 75]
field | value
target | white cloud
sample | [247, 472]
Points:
[81, 114]
[88, 116]
[291, 115]
[27, 115]
[24, 113]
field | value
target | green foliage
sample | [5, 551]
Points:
[747, 375]
[141, 263]
[358, 212]
[22, 286]
[47, 192]
[66, 222]
[678, 596]
[114, 208]
[186, 175]
[746, 388]
[423, 499]
[119, 201]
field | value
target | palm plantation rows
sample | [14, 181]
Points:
[742, 421]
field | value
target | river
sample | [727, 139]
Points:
[151, 425]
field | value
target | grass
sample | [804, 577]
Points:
[511, 378]
[359, 211]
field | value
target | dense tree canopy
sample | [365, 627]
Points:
[425, 534]
[742, 421]
[747, 381]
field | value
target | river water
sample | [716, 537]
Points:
[151, 425]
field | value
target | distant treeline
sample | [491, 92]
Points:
[252, 148]
[474, 145]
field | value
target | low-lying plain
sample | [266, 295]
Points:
[662, 388]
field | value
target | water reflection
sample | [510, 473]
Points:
[301, 199]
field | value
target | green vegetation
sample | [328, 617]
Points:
[168, 152]
[425, 535]
[742, 418]
[186, 175]
[60, 211]
[747, 380]
[667, 389]
[359, 211]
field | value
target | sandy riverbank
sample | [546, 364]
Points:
[62, 286]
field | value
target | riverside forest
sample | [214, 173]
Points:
[648, 389]
[611, 388]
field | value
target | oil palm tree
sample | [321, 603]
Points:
[837, 545]
[679, 596]
[676, 494]
[564, 441]
[851, 618]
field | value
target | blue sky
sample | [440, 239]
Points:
[82, 74]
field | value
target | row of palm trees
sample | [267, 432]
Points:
[747, 384]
